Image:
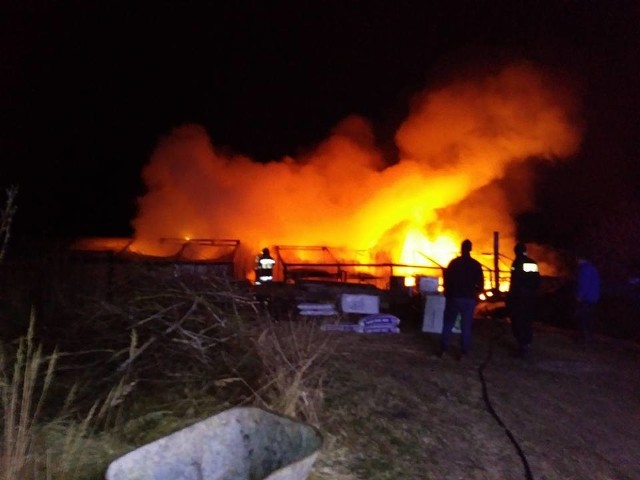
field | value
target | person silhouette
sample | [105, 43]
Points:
[521, 298]
[463, 281]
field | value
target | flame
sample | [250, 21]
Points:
[462, 172]
[416, 244]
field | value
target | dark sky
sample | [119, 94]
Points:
[87, 88]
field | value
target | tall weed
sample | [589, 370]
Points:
[23, 391]
[293, 357]
[34, 447]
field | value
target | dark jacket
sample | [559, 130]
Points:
[463, 277]
[525, 277]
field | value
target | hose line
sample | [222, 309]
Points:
[487, 401]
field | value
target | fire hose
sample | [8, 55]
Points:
[487, 401]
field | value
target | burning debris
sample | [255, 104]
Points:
[462, 172]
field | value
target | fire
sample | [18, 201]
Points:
[416, 245]
[462, 172]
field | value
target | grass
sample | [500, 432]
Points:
[293, 357]
[151, 360]
[23, 394]
[162, 355]
[34, 445]
[394, 410]
[390, 409]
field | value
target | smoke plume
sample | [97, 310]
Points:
[464, 149]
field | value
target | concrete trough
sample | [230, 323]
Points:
[243, 443]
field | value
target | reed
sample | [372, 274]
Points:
[24, 382]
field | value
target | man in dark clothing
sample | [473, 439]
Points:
[587, 296]
[463, 281]
[521, 298]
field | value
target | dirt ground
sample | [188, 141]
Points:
[393, 410]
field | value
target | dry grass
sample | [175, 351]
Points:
[160, 337]
[164, 355]
[294, 356]
[393, 410]
[149, 362]
[33, 447]
[23, 389]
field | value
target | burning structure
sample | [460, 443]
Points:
[463, 170]
[112, 262]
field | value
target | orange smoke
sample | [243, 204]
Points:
[458, 149]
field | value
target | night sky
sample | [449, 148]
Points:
[87, 88]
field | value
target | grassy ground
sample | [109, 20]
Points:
[395, 411]
[387, 406]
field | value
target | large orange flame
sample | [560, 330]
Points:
[462, 150]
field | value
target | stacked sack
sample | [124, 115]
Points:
[379, 323]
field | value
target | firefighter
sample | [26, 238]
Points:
[521, 298]
[264, 267]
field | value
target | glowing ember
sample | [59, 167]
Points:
[462, 172]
